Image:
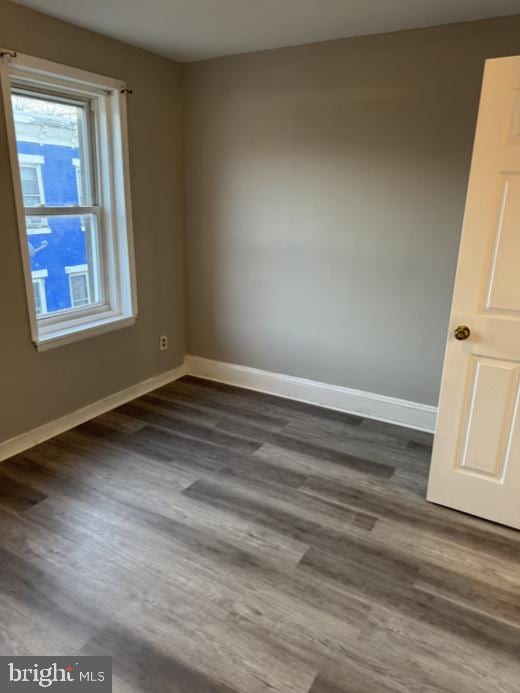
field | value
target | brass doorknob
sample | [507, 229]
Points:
[462, 332]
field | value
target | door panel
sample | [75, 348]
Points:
[504, 286]
[476, 454]
[489, 416]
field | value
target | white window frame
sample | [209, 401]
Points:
[113, 208]
[36, 161]
[38, 278]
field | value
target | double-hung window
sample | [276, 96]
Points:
[67, 132]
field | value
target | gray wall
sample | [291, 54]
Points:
[38, 387]
[325, 191]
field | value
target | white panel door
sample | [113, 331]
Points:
[476, 453]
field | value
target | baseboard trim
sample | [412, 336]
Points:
[402, 412]
[16, 445]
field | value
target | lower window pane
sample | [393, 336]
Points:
[69, 256]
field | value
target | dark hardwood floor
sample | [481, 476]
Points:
[217, 540]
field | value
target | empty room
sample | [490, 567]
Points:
[260, 346]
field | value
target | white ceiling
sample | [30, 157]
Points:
[189, 30]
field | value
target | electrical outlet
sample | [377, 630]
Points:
[163, 342]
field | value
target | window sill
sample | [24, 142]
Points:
[38, 230]
[63, 335]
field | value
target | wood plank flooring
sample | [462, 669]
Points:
[217, 540]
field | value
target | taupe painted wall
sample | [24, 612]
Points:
[38, 387]
[325, 193]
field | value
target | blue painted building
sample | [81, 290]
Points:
[49, 160]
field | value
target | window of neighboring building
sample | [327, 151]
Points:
[39, 294]
[32, 190]
[67, 131]
[79, 179]
[79, 293]
[79, 288]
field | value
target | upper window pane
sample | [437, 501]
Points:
[56, 133]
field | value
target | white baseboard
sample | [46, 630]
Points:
[14, 446]
[367, 404]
